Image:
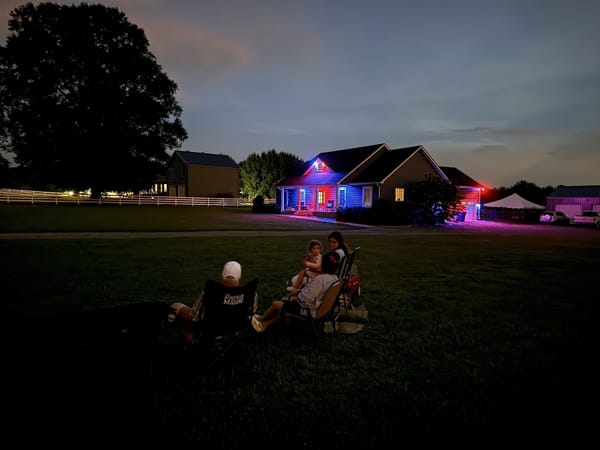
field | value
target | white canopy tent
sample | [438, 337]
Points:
[514, 201]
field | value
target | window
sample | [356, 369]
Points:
[320, 197]
[399, 194]
[367, 199]
[343, 197]
[160, 188]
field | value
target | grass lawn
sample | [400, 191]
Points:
[470, 337]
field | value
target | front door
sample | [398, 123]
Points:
[367, 199]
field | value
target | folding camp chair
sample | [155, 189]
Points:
[325, 312]
[351, 286]
[214, 354]
[346, 263]
[225, 318]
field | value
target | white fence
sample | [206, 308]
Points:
[59, 198]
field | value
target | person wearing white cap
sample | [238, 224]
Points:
[230, 276]
[232, 273]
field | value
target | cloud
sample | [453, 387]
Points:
[216, 41]
[496, 131]
[193, 52]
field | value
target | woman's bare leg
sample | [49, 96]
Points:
[272, 314]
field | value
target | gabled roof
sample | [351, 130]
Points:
[205, 159]
[339, 162]
[576, 191]
[385, 165]
[459, 178]
[342, 164]
[346, 160]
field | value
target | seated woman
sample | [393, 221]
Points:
[336, 243]
[311, 265]
[308, 298]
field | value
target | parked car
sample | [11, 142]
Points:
[588, 218]
[555, 217]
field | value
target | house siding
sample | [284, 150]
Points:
[585, 203]
[573, 199]
[414, 170]
[204, 181]
[572, 206]
[353, 196]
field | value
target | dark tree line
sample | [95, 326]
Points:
[525, 189]
[261, 172]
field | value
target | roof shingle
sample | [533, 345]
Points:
[459, 178]
[384, 166]
[206, 159]
[576, 191]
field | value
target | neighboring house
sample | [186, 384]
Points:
[191, 174]
[572, 200]
[357, 177]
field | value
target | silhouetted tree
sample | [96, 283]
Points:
[83, 101]
[260, 173]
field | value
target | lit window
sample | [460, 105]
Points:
[399, 194]
[320, 195]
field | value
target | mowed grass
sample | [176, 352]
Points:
[39, 219]
[470, 337]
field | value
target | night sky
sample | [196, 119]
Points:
[503, 90]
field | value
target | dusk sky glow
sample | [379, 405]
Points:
[503, 90]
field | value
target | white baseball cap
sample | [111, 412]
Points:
[232, 270]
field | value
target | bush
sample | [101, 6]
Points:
[382, 213]
[258, 206]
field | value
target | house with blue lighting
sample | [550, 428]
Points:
[357, 177]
